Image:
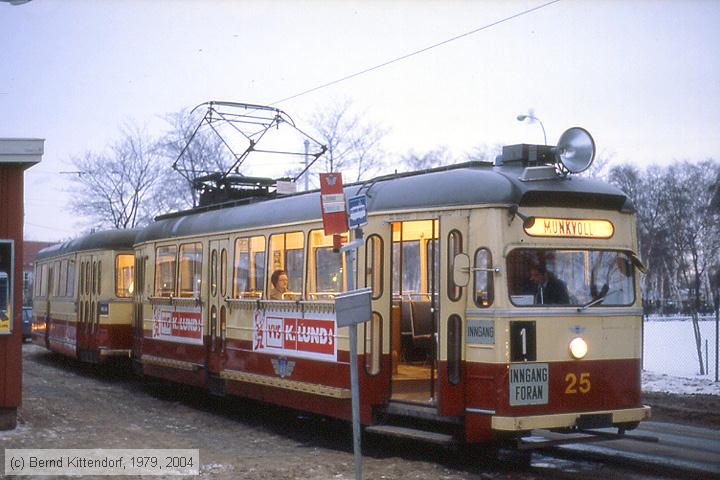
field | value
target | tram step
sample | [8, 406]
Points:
[411, 433]
[422, 412]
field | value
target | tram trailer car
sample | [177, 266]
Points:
[505, 298]
[82, 299]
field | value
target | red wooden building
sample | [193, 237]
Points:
[16, 155]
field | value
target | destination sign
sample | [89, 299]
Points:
[568, 227]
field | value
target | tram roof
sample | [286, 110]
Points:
[472, 183]
[106, 240]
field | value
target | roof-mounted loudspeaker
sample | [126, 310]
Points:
[575, 150]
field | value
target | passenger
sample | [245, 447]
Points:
[550, 289]
[279, 280]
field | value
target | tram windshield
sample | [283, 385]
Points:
[541, 277]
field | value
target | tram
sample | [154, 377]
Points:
[82, 298]
[505, 298]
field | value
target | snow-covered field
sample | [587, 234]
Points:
[671, 361]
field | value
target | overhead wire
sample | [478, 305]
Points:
[417, 52]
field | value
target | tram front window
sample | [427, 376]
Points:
[541, 277]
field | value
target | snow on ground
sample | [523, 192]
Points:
[670, 357]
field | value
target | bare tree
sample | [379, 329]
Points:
[117, 188]
[354, 146]
[205, 154]
[433, 158]
[693, 230]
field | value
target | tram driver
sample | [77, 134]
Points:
[549, 288]
[279, 281]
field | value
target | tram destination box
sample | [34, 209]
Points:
[535, 154]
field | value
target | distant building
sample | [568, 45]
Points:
[30, 251]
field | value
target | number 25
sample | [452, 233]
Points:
[573, 385]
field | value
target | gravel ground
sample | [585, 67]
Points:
[71, 405]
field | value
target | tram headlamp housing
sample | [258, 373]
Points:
[578, 348]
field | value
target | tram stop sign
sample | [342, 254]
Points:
[357, 211]
[353, 307]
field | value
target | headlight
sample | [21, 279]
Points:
[578, 348]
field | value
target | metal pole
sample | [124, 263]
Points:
[354, 382]
[307, 174]
[717, 341]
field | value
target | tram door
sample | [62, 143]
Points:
[88, 314]
[453, 240]
[415, 266]
[217, 310]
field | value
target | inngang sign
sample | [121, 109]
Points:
[567, 227]
[294, 335]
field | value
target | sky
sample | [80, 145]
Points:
[642, 76]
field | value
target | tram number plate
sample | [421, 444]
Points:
[529, 384]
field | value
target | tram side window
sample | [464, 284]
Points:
[484, 286]
[62, 291]
[454, 247]
[287, 253]
[374, 265]
[326, 275]
[249, 267]
[165, 271]
[124, 270]
[56, 279]
[190, 269]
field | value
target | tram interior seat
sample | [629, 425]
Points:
[417, 327]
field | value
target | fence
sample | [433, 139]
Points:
[669, 346]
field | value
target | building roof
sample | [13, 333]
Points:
[30, 252]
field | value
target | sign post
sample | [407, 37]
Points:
[351, 308]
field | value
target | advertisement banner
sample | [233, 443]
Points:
[178, 324]
[293, 335]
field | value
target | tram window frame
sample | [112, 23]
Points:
[213, 272]
[194, 260]
[88, 277]
[62, 292]
[373, 356]
[56, 279]
[484, 272]
[165, 288]
[254, 279]
[223, 272]
[81, 286]
[70, 291]
[287, 259]
[454, 349]
[455, 246]
[124, 284]
[320, 250]
[375, 265]
[93, 289]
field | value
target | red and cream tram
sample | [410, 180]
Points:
[505, 298]
[82, 299]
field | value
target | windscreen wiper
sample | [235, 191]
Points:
[597, 300]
